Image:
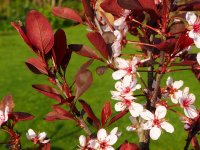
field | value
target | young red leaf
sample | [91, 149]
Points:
[90, 113]
[84, 51]
[111, 6]
[48, 91]
[106, 112]
[167, 46]
[88, 9]
[23, 35]
[66, 13]
[117, 117]
[149, 6]
[130, 4]
[59, 113]
[36, 66]
[60, 46]
[39, 31]
[97, 40]
[83, 80]
[22, 116]
[128, 146]
[66, 59]
[7, 101]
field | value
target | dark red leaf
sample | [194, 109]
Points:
[106, 112]
[193, 5]
[37, 66]
[22, 34]
[46, 146]
[60, 46]
[90, 113]
[84, 51]
[150, 7]
[167, 46]
[66, 13]
[22, 116]
[128, 146]
[117, 117]
[59, 113]
[111, 6]
[7, 101]
[97, 40]
[101, 70]
[48, 91]
[83, 80]
[196, 71]
[88, 9]
[130, 4]
[66, 59]
[39, 31]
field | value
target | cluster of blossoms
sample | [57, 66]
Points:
[121, 28]
[126, 73]
[194, 30]
[104, 141]
[181, 97]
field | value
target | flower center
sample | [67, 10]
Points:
[156, 122]
[127, 90]
[186, 102]
[103, 145]
[129, 70]
[127, 102]
[196, 27]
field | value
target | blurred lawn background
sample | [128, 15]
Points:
[17, 79]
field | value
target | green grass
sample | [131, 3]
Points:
[17, 79]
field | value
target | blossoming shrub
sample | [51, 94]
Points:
[165, 31]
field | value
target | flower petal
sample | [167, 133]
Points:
[192, 98]
[147, 115]
[102, 134]
[111, 139]
[178, 84]
[119, 74]
[82, 140]
[114, 131]
[121, 63]
[169, 81]
[190, 112]
[191, 18]
[120, 106]
[197, 41]
[167, 126]
[155, 133]
[93, 144]
[42, 136]
[135, 109]
[198, 58]
[45, 141]
[30, 134]
[148, 125]
[160, 112]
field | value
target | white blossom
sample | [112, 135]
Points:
[104, 141]
[41, 137]
[125, 67]
[156, 121]
[83, 143]
[186, 101]
[173, 89]
[194, 23]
